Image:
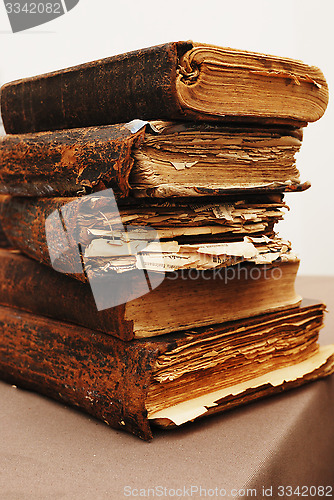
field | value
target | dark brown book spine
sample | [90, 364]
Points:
[138, 84]
[4, 243]
[99, 374]
[68, 162]
[33, 287]
[24, 226]
[23, 222]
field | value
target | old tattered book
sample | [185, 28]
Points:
[178, 80]
[99, 226]
[156, 159]
[138, 304]
[168, 380]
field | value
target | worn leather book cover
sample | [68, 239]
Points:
[69, 162]
[29, 286]
[125, 384]
[4, 243]
[178, 80]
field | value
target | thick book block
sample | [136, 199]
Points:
[164, 381]
[178, 80]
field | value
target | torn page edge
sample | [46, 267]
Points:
[177, 190]
[189, 410]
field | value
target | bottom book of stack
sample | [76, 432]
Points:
[166, 380]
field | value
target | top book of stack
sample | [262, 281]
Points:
[178, 80]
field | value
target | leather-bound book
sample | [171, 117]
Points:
[168, 380]
[135, 304]
[156, 159]
[93, 224]
[178, 80]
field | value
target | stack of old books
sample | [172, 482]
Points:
[145, 282]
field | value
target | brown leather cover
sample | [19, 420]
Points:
[68, 162]
[27, 285]
[24, 226]
[4, 243]
[99, 374]
[138, 84]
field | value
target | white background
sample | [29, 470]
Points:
[299, 29]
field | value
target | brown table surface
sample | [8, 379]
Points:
[50, 451]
